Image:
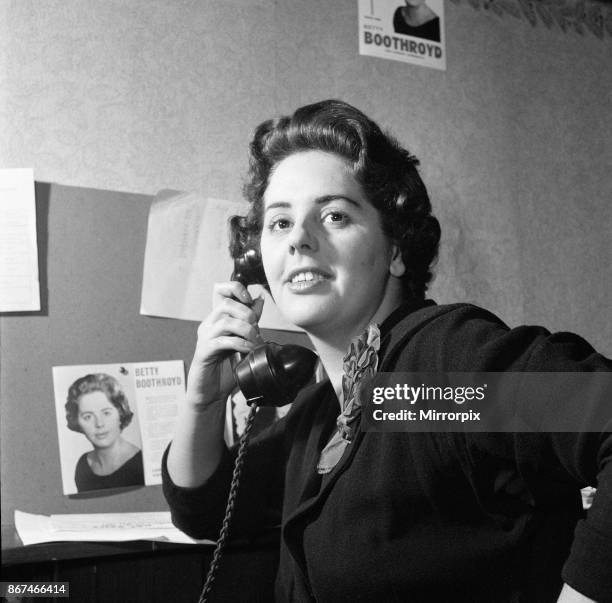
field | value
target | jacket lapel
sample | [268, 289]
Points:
[325, 422]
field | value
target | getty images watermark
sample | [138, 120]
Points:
[487, 402]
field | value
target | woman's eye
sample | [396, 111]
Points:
[86, 417]
[279, 224]
[336, 217]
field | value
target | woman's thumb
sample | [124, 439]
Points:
[258, 304]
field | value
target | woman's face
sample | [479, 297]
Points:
[99, 419]
[326, 258]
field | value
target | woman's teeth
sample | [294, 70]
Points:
[307, 276]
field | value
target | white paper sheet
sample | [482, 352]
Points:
[99, 527]
[186, 253]
[153, 390]
[19, 286]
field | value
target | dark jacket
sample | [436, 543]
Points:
[427, 516]
[131, 473]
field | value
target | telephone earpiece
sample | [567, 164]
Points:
[248, 269]
[272, 374]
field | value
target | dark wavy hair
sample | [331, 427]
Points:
[96, 382]
[385, 170]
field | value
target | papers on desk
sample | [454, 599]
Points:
[99, 527]
[19, 287]
[187, 252]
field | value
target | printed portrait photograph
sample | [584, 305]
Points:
[99, 439]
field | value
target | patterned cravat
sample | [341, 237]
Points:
[361, 361]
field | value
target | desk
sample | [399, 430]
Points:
[143, 571]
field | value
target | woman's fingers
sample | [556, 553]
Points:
[232, 324]
[226, 325]
[231, 289]
[224, 343]
[230, 327]
[234, 309]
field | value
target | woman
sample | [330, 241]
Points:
[344, 225]
[418, 20]
[97, 408]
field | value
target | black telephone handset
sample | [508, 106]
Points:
[270, 375]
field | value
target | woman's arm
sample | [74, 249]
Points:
[198, 445]
[553, 463]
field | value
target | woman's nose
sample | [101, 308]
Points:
[302, 237]
[99, 421]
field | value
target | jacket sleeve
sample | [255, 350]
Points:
[586, 458]
[554, 461]
[199, 512]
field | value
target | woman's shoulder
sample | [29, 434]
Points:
[130, 473]
[130, 451]
[131, 455]
[462, 336]
[438, 318]
[398, 20]
[83, 473]
[134, 460]
[83, 463]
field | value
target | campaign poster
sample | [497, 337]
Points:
[114, 422]
[411, 31]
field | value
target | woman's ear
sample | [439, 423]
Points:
[396, 266]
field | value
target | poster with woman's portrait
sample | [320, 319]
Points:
[114, 421]
[411, 31]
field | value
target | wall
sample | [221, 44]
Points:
[514, 138]
[91, 253]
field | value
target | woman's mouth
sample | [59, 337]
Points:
[306, 280]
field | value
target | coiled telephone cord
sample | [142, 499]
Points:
[229, 508]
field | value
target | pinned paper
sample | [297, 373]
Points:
[19, 286]
[187, 252]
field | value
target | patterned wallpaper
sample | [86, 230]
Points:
[514, 138]
[570, 16]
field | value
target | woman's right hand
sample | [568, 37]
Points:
[230, 327]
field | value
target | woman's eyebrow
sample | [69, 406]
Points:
[318, 201]
[277, 204]
[327, 198]
[84, 412]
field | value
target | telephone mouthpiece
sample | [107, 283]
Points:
[273, 374]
